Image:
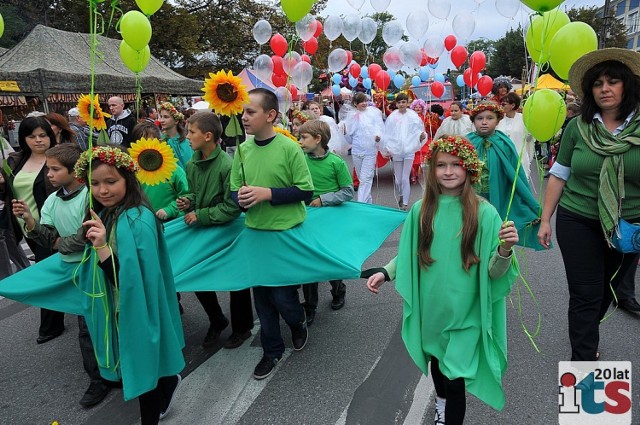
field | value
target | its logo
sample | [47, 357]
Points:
[594, 393]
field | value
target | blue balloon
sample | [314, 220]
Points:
[367, 83]
[433, 65]
[364, 72]
[398, 81]
[423, 73]
[460, 81]
[439, 77]
[391, 74]
[415, 81]
[335, 89]
[353, 81]
[337, 78]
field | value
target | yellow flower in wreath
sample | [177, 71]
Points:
[156, 161]
[97, 121]
[225, 93]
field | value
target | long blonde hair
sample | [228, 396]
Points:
[470, 203]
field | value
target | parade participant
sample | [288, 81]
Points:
[61, 128]
[594, 183]
[501, 86]
[28, 181]
[337, 144]
[332, 186]
[121, 123]
[512, 124]
[454, 270]
[134, 323]
[364, 128]
[299, 118]
[60, 219]
[271, 182]
[500, 161]
[172, 123]
[209, 203]
[403, 136]
[81, 129]
[431, 124]
[456, 124]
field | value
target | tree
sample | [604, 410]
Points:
[616, 35]
[509, 56]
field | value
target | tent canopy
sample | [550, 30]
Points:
[252, 81]
[50, 61]
[546, 81]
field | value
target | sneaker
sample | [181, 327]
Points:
[96, 392]
[265, 367]
[440, 405]
[212, 335]
[164, 411]
[310, 315]
[236, 339]
[338, 302]
[299, 336]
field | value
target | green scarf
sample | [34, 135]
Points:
[611, 185]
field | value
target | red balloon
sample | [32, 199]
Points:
[349, 56]
[279, 80]
[279, 44]
[431, 60]
[485, 84]
[425, 58]
[278, 67]
[458, 56]
[470, 77]
[310, 46]
[319, 28]
[354, 70]
[437, 89]
[294, 91]
[477, 61]
[382, 80]
[450, 42]
[374, 69]
[305, 58]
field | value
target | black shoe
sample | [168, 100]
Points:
[96, 392]
[299, 336]
[310, 315]
[630, 305]
[164, 410]
[46, 338]
[236, 340]
[180, 308]
[265, 367]
[212, 336]
[338, 302]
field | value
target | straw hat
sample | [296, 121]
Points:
[588, 61]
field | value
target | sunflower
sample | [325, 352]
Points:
[96, 122]
[225, 93]
[155, 159]
[286, 133]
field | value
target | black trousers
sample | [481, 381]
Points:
[51, 322]
[590, 265]
[152, 402]
[310, 292]
[239, 305]
[86, 349]
[627, 288]
[453, 391]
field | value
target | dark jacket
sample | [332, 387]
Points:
[119, 129]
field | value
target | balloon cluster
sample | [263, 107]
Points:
[471, 77]
[135, 29]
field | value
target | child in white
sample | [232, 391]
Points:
[456, 124]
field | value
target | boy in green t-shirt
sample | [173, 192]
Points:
[271, 181]
[332, 186]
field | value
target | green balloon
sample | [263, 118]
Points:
[296, 9]
[544, 114]
[135, 29]
[541, 32]
[569, 44]
[542, 5]
[1, 25]
[136, 61]
[149, 7]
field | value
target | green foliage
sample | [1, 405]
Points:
[616, 32]
[509, 55]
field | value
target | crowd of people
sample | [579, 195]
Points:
[475, 171]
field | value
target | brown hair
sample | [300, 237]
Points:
[207, 122]
[317, 128]
[148, 130]
[359, 98]
[66, 154]
[470, 204]
[63, 124]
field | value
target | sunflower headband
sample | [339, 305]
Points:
[460, 147]
[301, 116]
[107, 155]
[487, 106]
[172, 111]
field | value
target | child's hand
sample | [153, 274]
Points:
[96, 232]
[316, 203]
[508, 237]
[183, 203]
[161, 214]
[375, 281]
[21, 209]
[191, 218]
[249, 196]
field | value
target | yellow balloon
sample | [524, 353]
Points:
[136, 61]
[149, 7]
[135, 29]
[541, 32]
[544, 113]
[570, 43]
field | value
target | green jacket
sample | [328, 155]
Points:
[209, 188]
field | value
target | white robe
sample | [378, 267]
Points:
[451, 127]
[515, 129]
[402, 134]
[337, 143]
[362, 129]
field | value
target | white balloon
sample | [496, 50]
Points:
[463, 25]
[417, 23]
[508, 8]
[439, 8]
[333, 27]
[284, 99]
[356, 4]
[306, 27]
[263, 66]
[433, 46]
[302, 74]
[337, 60]
[262, 31]
[368, 31]
[380, 5]
[289, 61]
[351, 26]
[392, 32]
[391, 59]
[411, 55]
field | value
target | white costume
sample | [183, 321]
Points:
[451, 127]
[515, 129]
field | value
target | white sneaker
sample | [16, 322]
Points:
[440, 405]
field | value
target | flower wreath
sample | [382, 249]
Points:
[301, 116]
[460, 147]
[487, 106]
[178, 116]
[107, 155]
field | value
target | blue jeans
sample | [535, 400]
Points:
[271, 302]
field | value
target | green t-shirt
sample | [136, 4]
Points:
[279, 164]
[580, 194]
[329, 174]
[23, 189]
[163, 195]
[66, 216]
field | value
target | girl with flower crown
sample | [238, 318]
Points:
[172, 123]
[127, 277]
[453, 270]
